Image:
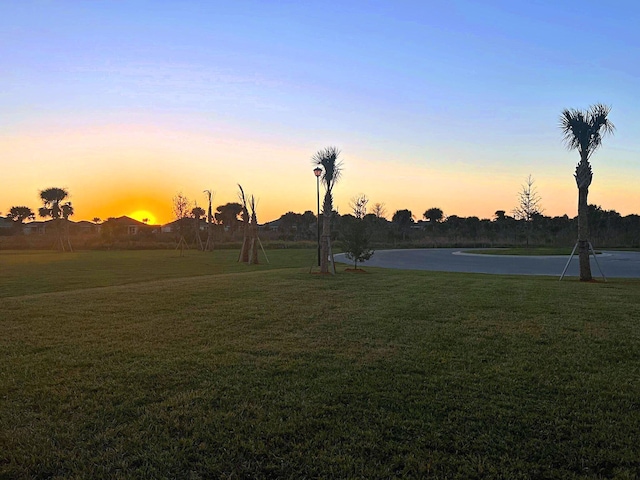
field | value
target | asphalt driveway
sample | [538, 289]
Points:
[613, 263]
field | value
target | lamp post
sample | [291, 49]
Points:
[317, 172]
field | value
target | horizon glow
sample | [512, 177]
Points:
[449, 105]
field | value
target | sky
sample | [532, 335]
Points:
[448, 104]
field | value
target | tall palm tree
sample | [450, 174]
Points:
[583, 131]
[332, 169]
[197, 213]
[52, 197]
[54, 208]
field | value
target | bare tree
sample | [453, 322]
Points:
[357, 235]
[379, 210]
[181, 206]
[181, 212]
[358, 205]
[529, 206]
[528, 202]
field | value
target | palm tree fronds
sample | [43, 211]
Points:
[583, 130]
[252, 204]
[332, 168]
[242, 197]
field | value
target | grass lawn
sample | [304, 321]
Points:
[532, 251]
[148, 365]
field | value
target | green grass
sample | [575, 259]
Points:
[532, 251]
[185, 370]
[26, 272]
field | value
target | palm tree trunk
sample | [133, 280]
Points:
[327, 210]
[253, 249]
[583, 235]
[246, 240]
[210, 236]
[324, 244]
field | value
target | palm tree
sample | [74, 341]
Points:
[67, 210]
[253, 248]
[434, 215]
[197, 213]
[402, 219]
[332, 169]
[21, 213]
[209, 244]
[583, 131]
[244, 252]
[52, 198]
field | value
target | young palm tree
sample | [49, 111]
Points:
[332, 169]
[244, 252]
[209, 244]
[253, 248]
[583, 131]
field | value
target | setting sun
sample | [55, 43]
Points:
[143, 216]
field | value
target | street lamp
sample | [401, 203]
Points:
[317, 172]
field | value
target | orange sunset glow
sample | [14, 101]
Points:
[143, 216]
[126, 123]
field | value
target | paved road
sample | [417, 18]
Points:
[613, 264]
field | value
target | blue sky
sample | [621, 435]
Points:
[448, 104]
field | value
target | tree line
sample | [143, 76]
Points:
[582, 131]
[608, 229]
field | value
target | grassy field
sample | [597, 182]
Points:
[532, 251]
[148, 365]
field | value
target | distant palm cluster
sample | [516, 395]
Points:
[432, 229]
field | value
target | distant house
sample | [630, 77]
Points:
[126, 225]
[5, 224]
[170, 227]
[85, 227]
[188, 225]
[36, 228]
[272, 226]
[419, 225]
